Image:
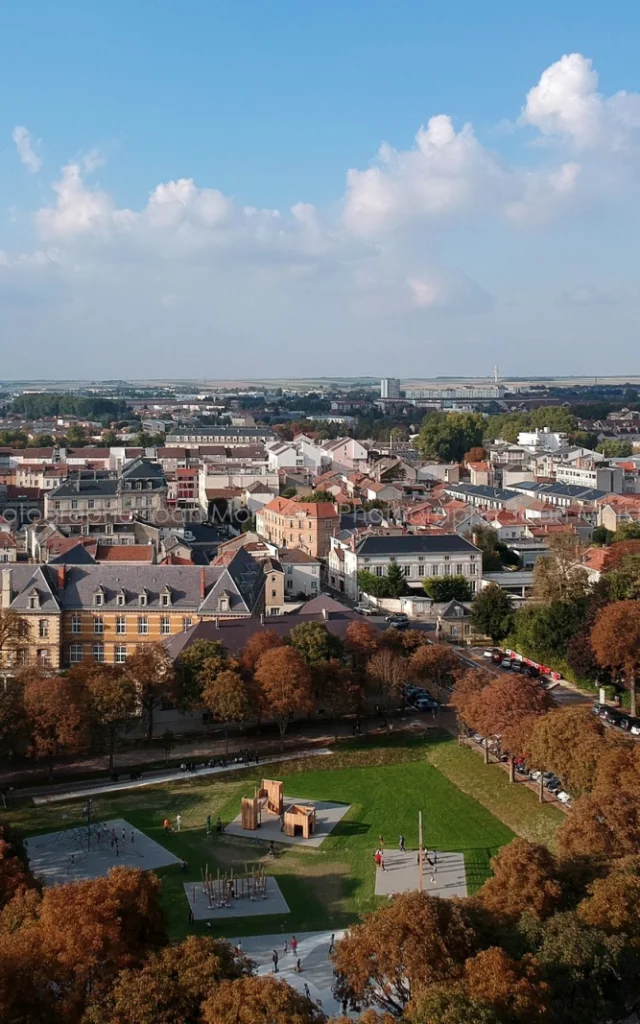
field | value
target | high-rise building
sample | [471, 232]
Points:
[389, 387]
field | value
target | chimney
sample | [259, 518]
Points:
[325, 614]
[203, 584]
[6, 588]
[62, 573]
[262, 618]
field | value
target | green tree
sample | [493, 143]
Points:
[559, 576]
[202, 657]
[601, 535]
[492, 613]
[75, 435]
[376, 586]
[615, 449]
[395, 580]
[447, 588]
[447, 436]
[628, 531]
[319, 496]
[542, 632]
[315, 643]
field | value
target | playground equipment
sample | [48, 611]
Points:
[226, 887]
[300, 820]
[269, 795]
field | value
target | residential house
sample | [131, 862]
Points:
[301, 573]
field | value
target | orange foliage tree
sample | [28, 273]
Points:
[615, 639]
[514, 989]
[524, 880]
[501, 706]
[606, 822]
[437, 665]
[259, 1000]
[568, 741]
[226, 696]
[257, 645]
[401, 949]
[58, 714]
[152, 672]
[284, 683]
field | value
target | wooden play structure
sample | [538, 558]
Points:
[228, 886]
[300, 820]
[269, 795]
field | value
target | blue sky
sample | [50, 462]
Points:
[511, 241]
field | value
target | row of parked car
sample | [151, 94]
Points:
[551, 782]
[512, 664]
[618, 718]
[419, 698]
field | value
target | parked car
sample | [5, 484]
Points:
[635, 727]
[564, 797]
[506, 663]
[399, 619]
[426, 704]
[597, 709]
[364, 609]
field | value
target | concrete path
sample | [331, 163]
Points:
[159, 778]
[316, 969]
[447, 877]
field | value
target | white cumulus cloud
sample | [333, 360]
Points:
[24, 144]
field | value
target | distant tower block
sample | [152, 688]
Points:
[389, 387]
[496, 374]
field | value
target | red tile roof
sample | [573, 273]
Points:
[124, 553]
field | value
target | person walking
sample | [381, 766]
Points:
[382, 861]
[274, 960]
[381, 842]
[401, 843]
[378, 858]
[208, 824]
[294, 945]
[307, 992]
[285, 948]
[166, 824]
[332, 943]
[219, 825]
[191, 916]
[178, 822]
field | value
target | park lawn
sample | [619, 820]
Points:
[514, 804]
[385, 784]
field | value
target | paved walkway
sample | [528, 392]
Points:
[447, 877]
[172, 775]
[316, 968]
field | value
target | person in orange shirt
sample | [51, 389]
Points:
[166, 824]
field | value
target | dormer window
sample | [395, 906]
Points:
[120, 598]
[223, 603]
[34, 599]
[98, 597]
[143, 599]
[165, 597]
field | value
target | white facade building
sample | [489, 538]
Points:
[301, 573]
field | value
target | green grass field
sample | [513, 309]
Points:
[385, 784]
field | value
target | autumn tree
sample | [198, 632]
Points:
[170, 986]
[615, 639]
[58, 715]
[259, 1000]
[151, 671]
[339, 688]
[612, 902]
[257, 645]
[477, 454]
[362, 640]
[190, 670]
[515, 990]
[492, 613]
[14, 635]
[437, 665]
[386, 672]
[112, 701]
[13, 718]
[315, 643]
[501, 707]
[401, 949]
[559, 576]
[524, 881]
[15, 874]
[226, 697]
[606, 822]
[569, 742]
[284, 683]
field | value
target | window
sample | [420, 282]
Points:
[121, 624]
[91, 503]
[472, 569]
[186, 623]
[378, 570]
[289, 585]
[74, 503]
[459, 569]
[435, 569]
[43, 629]
[44, 657]
[120, 599]
[120, 654]
[98, 652]
[75, 623]
[76, 653]
[447, 570]
[421, 570]
[98, 625]
[34, 601]
[143, 625]
[98, 598]
[142, 599]
[165, 599]
[406, 569]
[165, 625]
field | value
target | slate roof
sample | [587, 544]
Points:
[415, 544]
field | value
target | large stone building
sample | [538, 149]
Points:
[308, 525]
[103, 613]
[140, 489]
